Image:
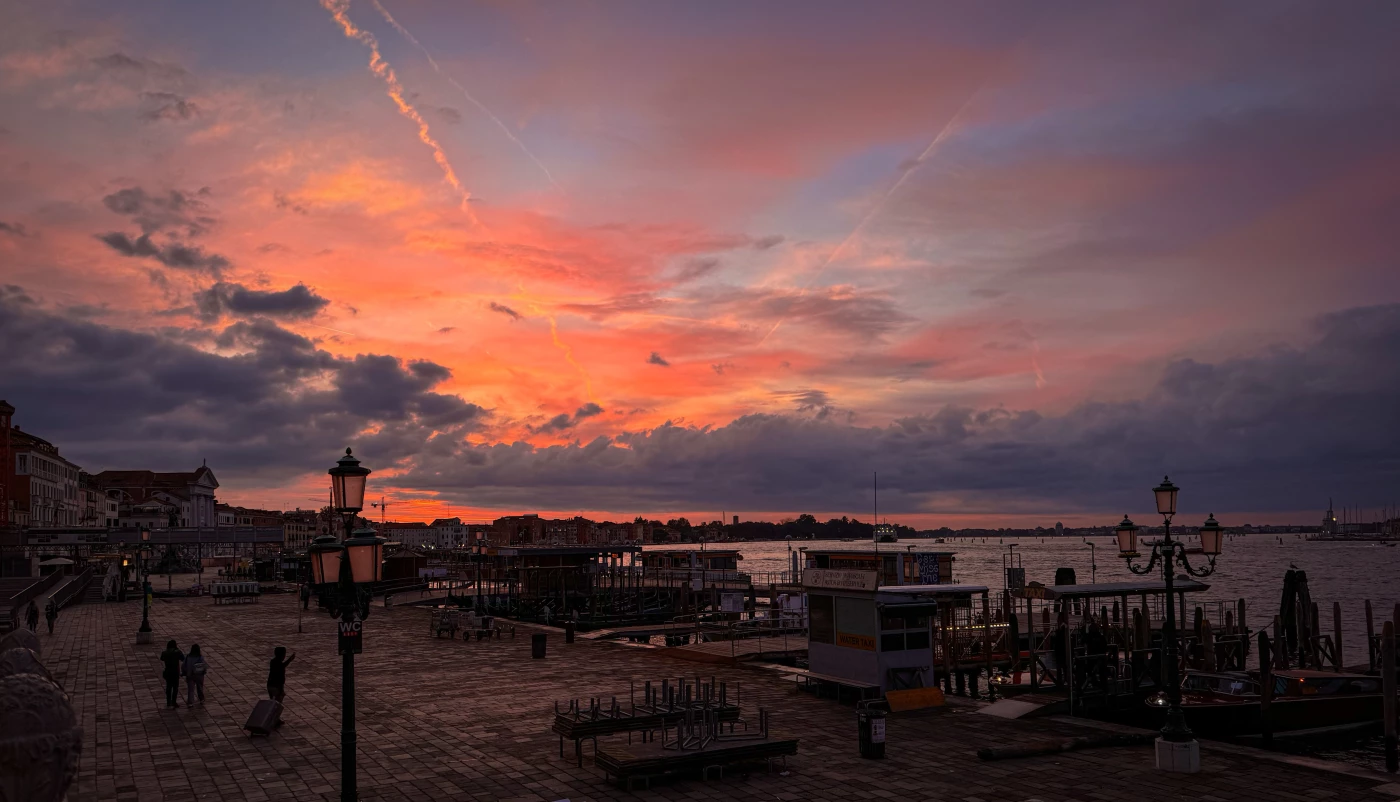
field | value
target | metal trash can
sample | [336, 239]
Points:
[870, 722]
[537, 642]
[569, 631]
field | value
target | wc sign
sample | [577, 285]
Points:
[351, 636]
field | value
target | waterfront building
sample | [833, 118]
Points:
[185, 498]
[40, 486]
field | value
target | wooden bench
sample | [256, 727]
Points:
[630, 763]
[864, 690]
[580, 730]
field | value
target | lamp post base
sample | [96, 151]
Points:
[144, 637]
[1182, 757]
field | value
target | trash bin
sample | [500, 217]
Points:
[568, 631]
[537, 642]
[870, 722]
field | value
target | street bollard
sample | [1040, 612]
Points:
[870, 723]
[537, 642]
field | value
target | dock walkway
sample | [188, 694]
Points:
[440, 721]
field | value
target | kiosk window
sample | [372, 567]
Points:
[822, 611]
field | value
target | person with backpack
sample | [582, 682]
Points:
[174, 660]
[51, 613]
[31, 616]
[195, 669]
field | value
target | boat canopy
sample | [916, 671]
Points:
[1035, 590]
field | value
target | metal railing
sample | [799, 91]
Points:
[75, 588]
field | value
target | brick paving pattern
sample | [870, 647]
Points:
[450, 720]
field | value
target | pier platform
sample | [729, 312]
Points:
[440, 719]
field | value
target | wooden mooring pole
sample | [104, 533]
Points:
[1392, 760]
[1266, 687]
[1370, 638]
[1337, 660]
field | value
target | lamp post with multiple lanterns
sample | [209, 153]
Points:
[343, 573]
[1171, 553]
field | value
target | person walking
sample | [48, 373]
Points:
[195, 668]
[51, 613]
[174, 660]
[31, 616]
[277, 676]
[305, 597]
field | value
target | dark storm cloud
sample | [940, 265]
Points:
[563, 422]
[657, 359]
[176, 211]
[272, 405]
[168, 106]
[505, 310]
[816, 402]
[185, 257]
[295, 302]
[1279, 430]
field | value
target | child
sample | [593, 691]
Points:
[277, 675]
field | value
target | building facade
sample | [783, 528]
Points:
[184, 499]
[40, 486]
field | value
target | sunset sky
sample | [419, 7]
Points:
[670, 258]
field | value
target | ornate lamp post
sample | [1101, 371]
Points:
[143, 635]
[343, 573]
[1177, 749]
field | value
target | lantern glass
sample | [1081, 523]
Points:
[1212, 537]
[366, 554]
[348, 479]
[325, 560]
[1166, 497]
[1127, 537]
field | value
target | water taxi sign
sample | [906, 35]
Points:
[840, 580]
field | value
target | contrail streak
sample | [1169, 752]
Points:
[468, 95]
[880, 204]
[338, 331]
[381, 68]
[568, 350]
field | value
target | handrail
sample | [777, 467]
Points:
[24, 596]
[75, 588]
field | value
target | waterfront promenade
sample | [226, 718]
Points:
[443, 719]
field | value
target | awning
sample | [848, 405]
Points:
[908, 609]
[57, 561]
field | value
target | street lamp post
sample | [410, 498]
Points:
[143, 634]
[1177, 749]
[343, 573]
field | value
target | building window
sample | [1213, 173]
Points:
[822, 610]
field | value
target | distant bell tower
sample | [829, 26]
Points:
[1329, 520]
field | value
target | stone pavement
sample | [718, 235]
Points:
[450, 720]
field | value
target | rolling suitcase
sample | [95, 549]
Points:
[264, 717]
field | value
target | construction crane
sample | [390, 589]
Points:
[383, 507]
